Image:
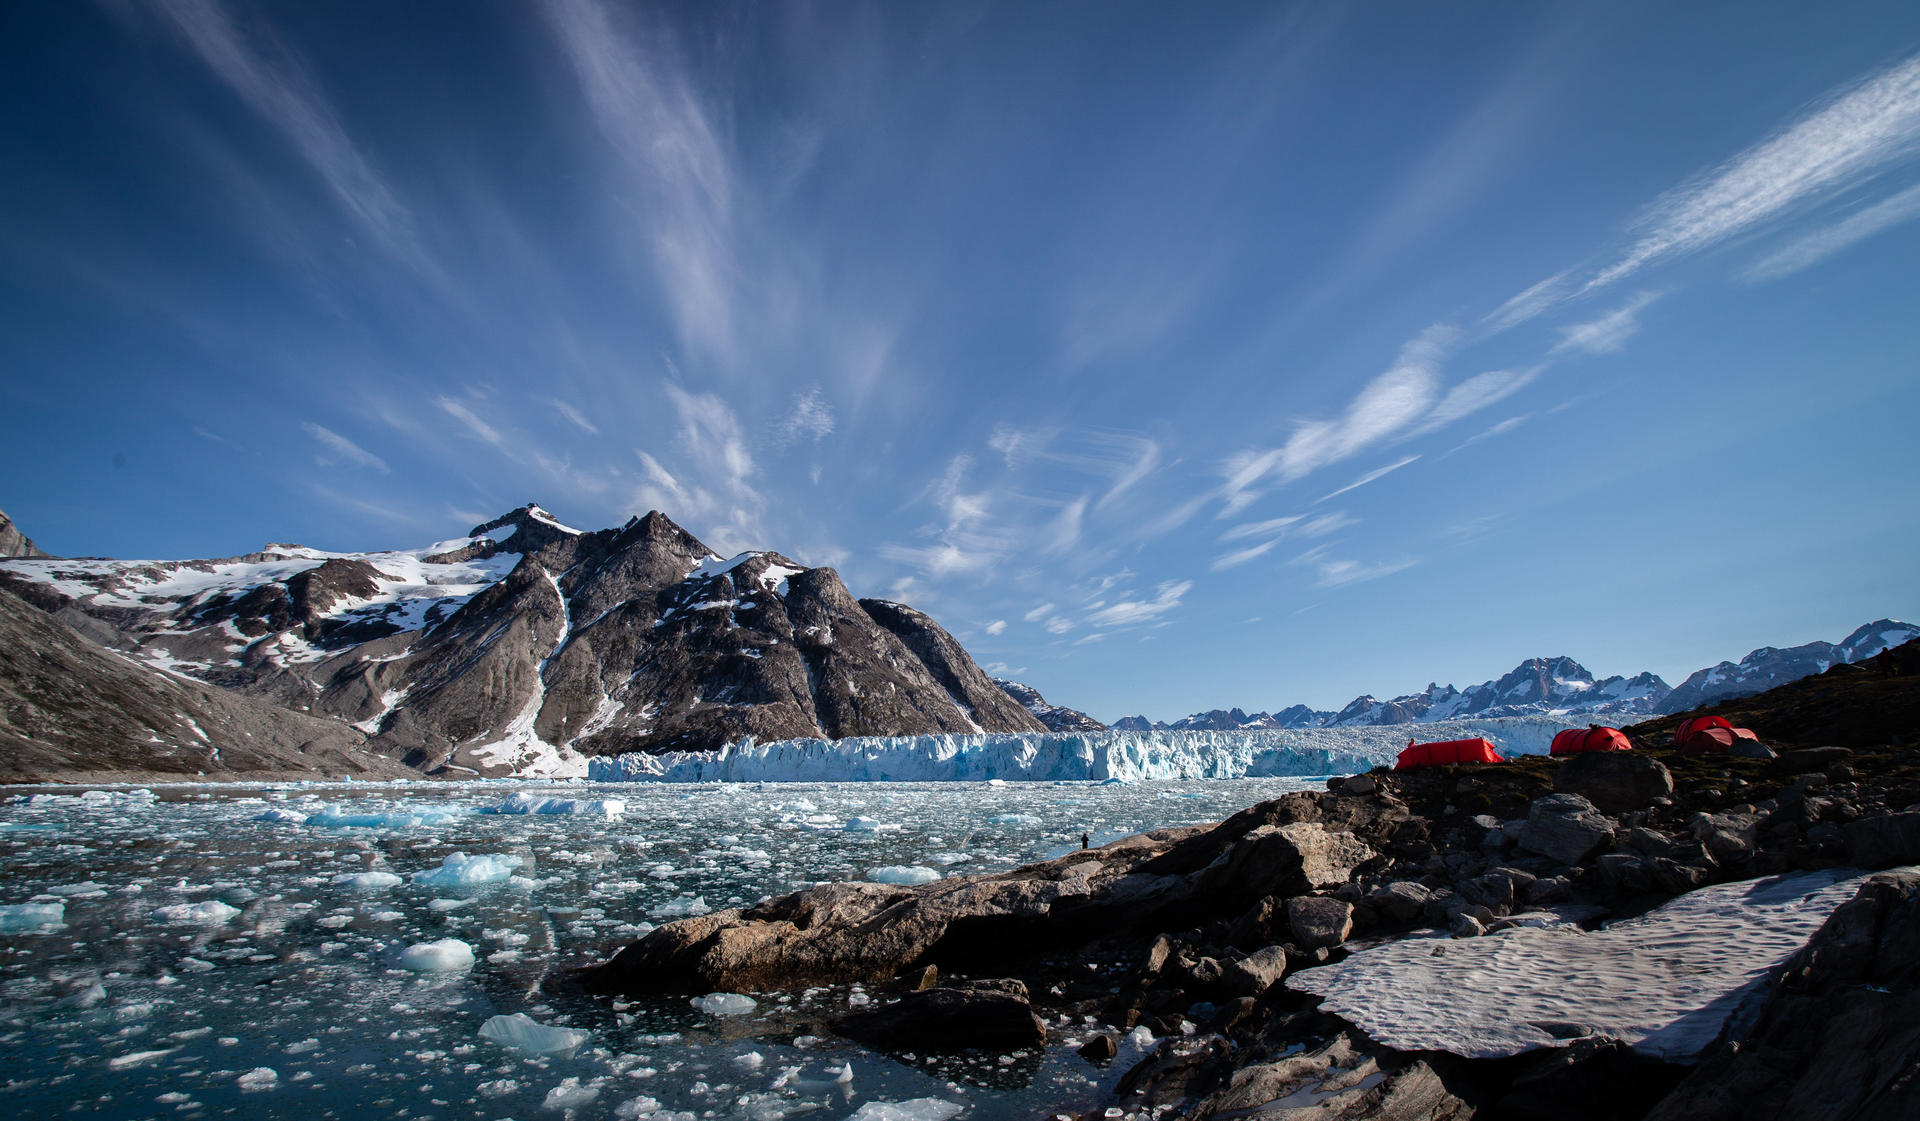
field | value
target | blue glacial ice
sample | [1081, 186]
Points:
[523, 1033]
[1083, 757]
[21, 918]
[443, 955]
[535, 804]
[457, 869]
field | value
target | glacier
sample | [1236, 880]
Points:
[1068, 756]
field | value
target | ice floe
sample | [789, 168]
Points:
[535, 804]
[1665, 982]
[210, 912]
[724, 1004]
[902, 874]
[522, 1032]
[442, 956]
[21, 918]
[461, 870]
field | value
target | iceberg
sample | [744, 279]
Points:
[443, 956]
[210, 913]
[1067, 757]
[533, 804]
[523, 1033]
[902, 874]
[724, 1004]
[914, 1109]
[460, 870]
[367, 881]
[23, 918]
[333, 817]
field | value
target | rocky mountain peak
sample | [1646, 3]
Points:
[13, 543]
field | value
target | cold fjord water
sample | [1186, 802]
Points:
[304, 952]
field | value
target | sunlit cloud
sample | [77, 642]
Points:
[1811, 249]
[1608, 333]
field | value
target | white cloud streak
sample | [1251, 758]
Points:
[811, 419]
[1811, 249]
[1166, 597]
[1608, 333]
[1337, 572]
[480, 429]
[343, 449]
[573, 415]
[1376, 473]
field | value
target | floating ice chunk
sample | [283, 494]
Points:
[913, 1109]
[522, 1032]
[570, 1094]
[259, 1078]
[951, 857]
[138, 1058]
[1140, 1039]
[902, 874]
[22, 918]
[443, 956]
[532, 804]
[1013, 819]
[752, 1060]
[87, 890]
[682, 907]
[212, 912]
[724, 1004]
[862, 825]
[642, 1106]
[292, 817]
[333, 818]
[194, 965]
[460, 870]
[367, 881]
[447, 904]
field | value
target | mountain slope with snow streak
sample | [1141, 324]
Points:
[529, 645]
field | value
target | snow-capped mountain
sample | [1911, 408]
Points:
[528, 645]
[1561, 687]
[1770, 666]
[1057, 718]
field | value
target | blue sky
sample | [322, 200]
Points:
[1259, 356]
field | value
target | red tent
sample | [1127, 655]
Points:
[1591, 738]
[1708, 735]
[1447, 752]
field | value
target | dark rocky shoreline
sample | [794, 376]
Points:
[1188, 933]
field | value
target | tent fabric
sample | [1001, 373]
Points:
[1709, 735]
[1446, 753]
[1592, 738]
[1693, 724]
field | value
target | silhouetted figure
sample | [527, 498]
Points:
[1085, 840]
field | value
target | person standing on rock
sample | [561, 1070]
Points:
[1085, 840]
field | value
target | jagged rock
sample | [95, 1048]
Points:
[1359, 784]
[1335, 1080]
[1401, 901]
[1319, 922]
[1883, 841]
[1326, 858]
[1565, 828]
[987, 1014]
[1614, 781]
[13, 543]
[1057, 718]
[1467, 926]
[1255, 973]
[1840, 1034]
[1100, 1049]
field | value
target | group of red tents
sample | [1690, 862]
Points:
[1698, 735]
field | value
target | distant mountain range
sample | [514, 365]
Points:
[527, 645]
[1563, 687]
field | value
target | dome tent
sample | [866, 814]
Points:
[1593, 737]
[1447, 752]
[1708, 735]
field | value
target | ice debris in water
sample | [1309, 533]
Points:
[682, 906]
[210, 913]
[913, 1109]
[862, 825]
[533, 804]
[724, 1004]
[367, 881]
[460, 870]
[334, 818]
[292, 817]
[259, 1078]
[20, 918]
[522, 1032]
[571, 1094]
[902, 874]
[443, 956]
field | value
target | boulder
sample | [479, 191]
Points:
[1101, 1048]
[1840, 1034]
[1255, 973]
[1566, 827]
[1401, 901]
[1614, 781]
[1883, 841]
[990, 1015]
[1319, 922]
[1326, 858]
[1810, 759]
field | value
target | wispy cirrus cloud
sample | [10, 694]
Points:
[471, 421]
[810, 420]
[1851, 134]
[277, 88]
[573, 414]
[1128, 612]
[646, 106]
[343, 449]
[1386, 406]
[1276, 530]
[1608, 333]
[1811, 249]
[715, 489]
[1337, 572]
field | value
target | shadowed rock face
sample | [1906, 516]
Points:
[629, 639]
[68, 706]
[1057, 718]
